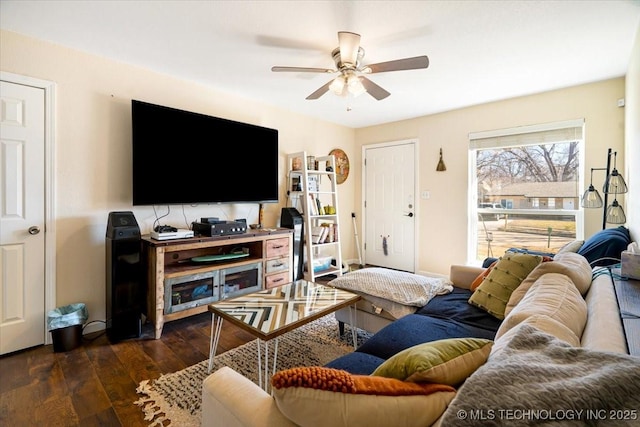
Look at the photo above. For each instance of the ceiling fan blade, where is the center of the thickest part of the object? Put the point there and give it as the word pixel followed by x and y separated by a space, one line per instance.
pixel 302 69
pixel 398 65
pixel 349 45
pixel 374 90
pixel 321 91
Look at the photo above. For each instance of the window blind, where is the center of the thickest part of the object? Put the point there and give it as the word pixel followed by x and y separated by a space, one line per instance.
pixel 546 133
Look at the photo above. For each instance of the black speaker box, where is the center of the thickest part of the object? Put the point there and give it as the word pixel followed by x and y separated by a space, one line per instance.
pixel 291 218
pixel 122 225
pixel 125 287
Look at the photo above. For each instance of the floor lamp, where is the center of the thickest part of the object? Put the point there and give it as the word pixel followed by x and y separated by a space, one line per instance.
pixel 613 184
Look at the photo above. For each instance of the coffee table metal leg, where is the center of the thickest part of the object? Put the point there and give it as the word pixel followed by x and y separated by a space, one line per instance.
pixel 263 368
pixel 216 328
pixel 275 356
pixel 354 332
pixel 259 344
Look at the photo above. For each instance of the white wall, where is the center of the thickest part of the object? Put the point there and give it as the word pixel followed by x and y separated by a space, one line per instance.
pixel 93 153
pixel 442 219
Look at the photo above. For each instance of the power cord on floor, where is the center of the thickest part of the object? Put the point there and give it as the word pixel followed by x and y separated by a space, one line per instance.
pixel 97 336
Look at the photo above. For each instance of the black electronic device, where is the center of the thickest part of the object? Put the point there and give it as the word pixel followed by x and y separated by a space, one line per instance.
pixel 291 218
pixel 210 220
pixel 165 229
pixel 201 137
pixel 220 228
pixel 125 287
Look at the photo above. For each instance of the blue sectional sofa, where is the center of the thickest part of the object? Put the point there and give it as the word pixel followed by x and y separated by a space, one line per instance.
pixel 445 316
pixel 451 316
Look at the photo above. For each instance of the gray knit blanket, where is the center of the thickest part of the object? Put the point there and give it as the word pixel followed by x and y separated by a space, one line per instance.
pixel 539 380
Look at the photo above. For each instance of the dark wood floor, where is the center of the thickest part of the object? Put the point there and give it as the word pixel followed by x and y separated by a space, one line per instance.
pixel 95 384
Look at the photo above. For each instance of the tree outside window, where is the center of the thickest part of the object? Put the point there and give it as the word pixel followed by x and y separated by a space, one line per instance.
pixel 527 195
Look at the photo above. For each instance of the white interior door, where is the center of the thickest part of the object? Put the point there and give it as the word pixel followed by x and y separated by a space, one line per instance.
pixel 22 217
pixel 390 214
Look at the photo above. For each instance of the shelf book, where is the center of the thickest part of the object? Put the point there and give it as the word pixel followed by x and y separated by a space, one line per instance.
pixel 324 233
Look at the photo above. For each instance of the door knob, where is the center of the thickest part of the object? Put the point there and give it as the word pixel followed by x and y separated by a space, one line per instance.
pixel 34 230
pixel 410 214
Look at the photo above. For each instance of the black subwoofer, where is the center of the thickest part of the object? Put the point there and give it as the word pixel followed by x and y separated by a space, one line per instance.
pixel 126 287
pixel 291 218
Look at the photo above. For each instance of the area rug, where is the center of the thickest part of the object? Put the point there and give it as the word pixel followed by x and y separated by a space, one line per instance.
pixel 175 399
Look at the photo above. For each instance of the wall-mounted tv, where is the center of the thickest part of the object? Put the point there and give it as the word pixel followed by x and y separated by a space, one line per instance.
pixel 182 157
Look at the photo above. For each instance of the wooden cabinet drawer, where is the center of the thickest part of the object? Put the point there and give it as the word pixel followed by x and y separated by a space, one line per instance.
pixel 277 247
pixel 276 265
pixel 276 280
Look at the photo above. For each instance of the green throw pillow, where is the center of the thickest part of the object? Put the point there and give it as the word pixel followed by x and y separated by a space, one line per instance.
pixel 448 361
pixel 493 293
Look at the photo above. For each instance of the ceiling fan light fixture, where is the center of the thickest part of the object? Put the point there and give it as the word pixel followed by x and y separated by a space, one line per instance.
pixel 337 85
pixel 349 47
pixel 355 86
pixel 348 63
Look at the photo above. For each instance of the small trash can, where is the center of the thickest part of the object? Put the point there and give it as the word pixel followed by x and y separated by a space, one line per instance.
pixel 65 324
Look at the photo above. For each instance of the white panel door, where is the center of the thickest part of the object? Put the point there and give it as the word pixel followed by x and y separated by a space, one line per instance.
pixel 22 217
pixel 390 206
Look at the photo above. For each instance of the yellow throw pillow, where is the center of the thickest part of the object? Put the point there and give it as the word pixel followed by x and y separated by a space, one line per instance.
pixel 319 397
pixel 448 361
pixel 494 292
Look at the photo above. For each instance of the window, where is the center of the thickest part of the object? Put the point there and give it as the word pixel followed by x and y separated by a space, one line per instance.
pixel 525 187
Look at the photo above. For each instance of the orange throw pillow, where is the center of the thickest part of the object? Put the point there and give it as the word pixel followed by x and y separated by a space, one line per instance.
pixel 340 381
pixel 478 280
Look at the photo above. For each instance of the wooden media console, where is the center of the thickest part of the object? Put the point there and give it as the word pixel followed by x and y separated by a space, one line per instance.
pixel 225 266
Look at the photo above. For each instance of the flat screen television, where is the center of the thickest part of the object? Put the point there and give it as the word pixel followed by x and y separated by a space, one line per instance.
pixel 182 157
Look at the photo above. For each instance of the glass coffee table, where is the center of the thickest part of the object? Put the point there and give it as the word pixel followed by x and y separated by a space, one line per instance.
pixel 269 313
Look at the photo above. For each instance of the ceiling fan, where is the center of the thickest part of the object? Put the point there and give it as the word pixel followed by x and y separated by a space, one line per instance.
pixel 347 57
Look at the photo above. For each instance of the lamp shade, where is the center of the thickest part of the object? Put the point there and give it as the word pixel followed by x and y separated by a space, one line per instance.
pixel 615 184
pixel 615 213
pixel 591 198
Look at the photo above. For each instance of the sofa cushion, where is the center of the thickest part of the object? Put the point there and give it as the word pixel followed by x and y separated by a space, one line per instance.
pixel 543 323
pixel 511 269
pixel 572 265
pixel 553 295
pixel 605 247
pixel 229 399
pixel 455 306
pixel 417 329
pixel 572 246
pixel 317 396
pixel 356 362
pixel 462 275
pixel 449 361
pixel 577 269
pixel 603 330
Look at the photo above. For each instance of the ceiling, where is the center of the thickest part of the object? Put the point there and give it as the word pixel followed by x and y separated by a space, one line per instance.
pixel 479 51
